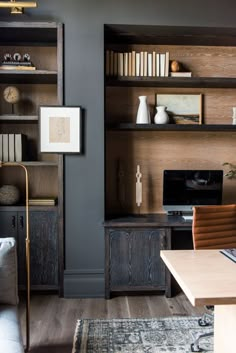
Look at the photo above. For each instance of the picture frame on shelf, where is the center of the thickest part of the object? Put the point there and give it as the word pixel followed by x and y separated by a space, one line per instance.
pixel 60 129
pixel 182 108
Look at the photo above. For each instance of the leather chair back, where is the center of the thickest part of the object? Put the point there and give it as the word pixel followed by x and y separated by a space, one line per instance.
pixel 214 227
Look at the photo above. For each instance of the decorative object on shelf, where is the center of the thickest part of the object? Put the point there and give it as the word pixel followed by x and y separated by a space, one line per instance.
pixel 27 247
pixel 138 186
pixel 234 116
pixel 161 116
pixel 182 108
pixel 175 66
pixel 17 7
pixel 60 129
pixel 143 114
pixel 9 195
pixel 11 95
pixel 17 62
pixel 231 174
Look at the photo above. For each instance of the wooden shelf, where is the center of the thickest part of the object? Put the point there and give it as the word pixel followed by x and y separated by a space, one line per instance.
pixel 34 76
pixel 19 118
pixel 37 163
pixel 199 82
pixel 169 127
pixel 16 208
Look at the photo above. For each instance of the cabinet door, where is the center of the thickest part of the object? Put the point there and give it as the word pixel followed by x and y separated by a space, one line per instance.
pixel 43 248
pixel 135 258
pixel 8 224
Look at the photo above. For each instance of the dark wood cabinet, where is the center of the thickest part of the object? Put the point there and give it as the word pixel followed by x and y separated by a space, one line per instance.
pixel 133 259
pixel 43 245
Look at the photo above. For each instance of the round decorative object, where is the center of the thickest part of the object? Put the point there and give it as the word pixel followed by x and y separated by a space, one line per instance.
pixel 7 57
pixel 26 57
pixel 11 94
pixel 175 66
pixel 161 116
pixel 9 195
pixel 17 56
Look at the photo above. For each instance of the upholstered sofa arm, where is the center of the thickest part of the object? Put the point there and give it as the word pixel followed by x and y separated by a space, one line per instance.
pixel 8 271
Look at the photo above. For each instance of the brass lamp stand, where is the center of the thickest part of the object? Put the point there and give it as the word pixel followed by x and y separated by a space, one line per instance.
pixel 27 246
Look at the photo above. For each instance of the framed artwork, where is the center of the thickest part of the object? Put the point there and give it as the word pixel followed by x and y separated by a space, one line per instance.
pixel 60 129
pixel 182 108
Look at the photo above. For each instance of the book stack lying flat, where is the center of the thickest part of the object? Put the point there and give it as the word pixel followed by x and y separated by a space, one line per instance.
pixel 16 65
pixel 46 201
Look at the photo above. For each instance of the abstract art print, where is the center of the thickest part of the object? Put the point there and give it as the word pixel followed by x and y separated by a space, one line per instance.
pixel 60 129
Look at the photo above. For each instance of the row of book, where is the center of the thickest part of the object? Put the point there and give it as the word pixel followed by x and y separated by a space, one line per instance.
pixel 137 64
pixel 13 147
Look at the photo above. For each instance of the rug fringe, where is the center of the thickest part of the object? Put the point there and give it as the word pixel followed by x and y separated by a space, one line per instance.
pixel 75 335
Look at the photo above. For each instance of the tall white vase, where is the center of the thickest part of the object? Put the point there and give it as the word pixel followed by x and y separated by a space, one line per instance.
pixel 143 114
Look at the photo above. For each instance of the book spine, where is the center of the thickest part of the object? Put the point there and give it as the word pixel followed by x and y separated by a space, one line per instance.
pixel 133 63
pixel 162 64
pixel 137 64
pixel 11 147
pixel 153 63
pixel 167 64
pixel 1 155
pixel 145 63
pixel 126 64
pixel 121 64
pixel 141 63
pixel 157 64
pixel 149 64
pixel 5 148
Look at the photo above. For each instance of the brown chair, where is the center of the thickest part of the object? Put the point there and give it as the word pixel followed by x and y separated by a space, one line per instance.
pixel 213 227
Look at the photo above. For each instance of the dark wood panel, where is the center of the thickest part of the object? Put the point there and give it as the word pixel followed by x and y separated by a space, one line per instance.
pixel 43 245
pixel 134 259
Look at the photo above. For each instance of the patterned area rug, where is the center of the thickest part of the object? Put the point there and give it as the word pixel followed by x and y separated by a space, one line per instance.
pixel 162 335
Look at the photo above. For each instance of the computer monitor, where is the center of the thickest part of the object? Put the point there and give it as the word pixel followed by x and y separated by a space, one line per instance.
pixel 183 189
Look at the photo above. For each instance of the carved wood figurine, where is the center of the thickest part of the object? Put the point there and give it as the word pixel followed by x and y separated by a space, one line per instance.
pixel 138 187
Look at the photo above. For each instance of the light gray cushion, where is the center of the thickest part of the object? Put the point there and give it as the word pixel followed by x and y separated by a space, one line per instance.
pixel 8 271
pixel 10 333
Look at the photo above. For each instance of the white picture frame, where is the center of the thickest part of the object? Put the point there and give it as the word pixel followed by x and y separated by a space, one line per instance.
pixel 183 108
pixel 60 129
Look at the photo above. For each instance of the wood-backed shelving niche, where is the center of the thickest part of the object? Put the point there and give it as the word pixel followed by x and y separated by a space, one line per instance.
pixel 43 41
pixel 135 235
pixel 209 53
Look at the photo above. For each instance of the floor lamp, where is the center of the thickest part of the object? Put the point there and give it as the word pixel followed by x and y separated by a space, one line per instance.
pixel 27 246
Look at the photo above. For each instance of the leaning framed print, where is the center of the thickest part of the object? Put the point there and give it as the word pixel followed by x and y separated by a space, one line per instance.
pixel 182 108
pixel 60 129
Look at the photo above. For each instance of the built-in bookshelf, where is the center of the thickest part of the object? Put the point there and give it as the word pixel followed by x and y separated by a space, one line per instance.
pixel 42 85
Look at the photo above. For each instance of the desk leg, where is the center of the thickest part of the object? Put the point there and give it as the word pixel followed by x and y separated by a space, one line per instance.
pixel 224 328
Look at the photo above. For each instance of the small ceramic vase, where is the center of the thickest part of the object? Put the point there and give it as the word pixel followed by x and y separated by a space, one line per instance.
pixel 143 114
pixel 234 116
pixel 161 116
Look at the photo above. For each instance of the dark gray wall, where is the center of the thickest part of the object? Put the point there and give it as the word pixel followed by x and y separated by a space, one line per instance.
pixel 84 175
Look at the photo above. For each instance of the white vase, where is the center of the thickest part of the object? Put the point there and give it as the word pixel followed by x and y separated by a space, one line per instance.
pixel 234 116
pixel 143 114
pixel 161 116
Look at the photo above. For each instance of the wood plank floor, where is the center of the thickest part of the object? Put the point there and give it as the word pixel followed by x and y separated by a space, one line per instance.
pixel 53 319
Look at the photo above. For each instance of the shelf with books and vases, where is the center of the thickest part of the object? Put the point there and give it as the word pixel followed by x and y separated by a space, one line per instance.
pixel 31 75
pixel 207 55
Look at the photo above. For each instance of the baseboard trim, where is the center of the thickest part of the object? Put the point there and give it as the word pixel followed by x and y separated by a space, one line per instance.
pixel 84 283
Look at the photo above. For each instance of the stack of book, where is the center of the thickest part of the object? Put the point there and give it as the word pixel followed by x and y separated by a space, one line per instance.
pixel 137 64
pixel 46 201
pixel 17 65
pixel 13 147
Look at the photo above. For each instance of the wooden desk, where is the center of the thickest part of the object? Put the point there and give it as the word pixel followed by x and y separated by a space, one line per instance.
pixel 208 277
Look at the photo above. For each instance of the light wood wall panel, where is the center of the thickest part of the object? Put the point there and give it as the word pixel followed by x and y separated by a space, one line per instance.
pixel 154 152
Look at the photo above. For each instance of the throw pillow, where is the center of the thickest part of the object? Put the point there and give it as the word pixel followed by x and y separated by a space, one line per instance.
pixel 8 271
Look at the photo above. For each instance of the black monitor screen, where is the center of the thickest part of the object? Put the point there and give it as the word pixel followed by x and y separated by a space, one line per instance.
pixel 187 188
